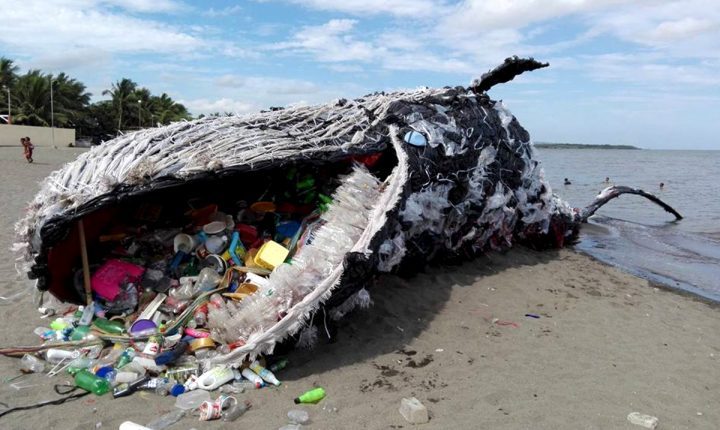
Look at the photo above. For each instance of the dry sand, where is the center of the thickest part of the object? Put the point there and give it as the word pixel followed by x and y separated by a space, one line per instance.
pixel 606 344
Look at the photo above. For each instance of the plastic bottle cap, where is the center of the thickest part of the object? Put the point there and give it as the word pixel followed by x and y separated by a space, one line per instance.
pixel 177 389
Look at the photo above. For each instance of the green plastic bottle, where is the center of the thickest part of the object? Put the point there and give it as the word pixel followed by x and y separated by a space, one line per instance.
pixel 88 381
pixel 108 326
pixel 312 396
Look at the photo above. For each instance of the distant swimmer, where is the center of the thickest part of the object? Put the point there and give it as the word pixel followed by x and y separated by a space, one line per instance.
pixel 662 185
pixel 567 181
pixel 607 180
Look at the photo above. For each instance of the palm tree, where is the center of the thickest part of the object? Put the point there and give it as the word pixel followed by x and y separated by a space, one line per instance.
pixel 31 95
pixel 122 94
pixel 165 110
pixel 7 78
pixel 71 100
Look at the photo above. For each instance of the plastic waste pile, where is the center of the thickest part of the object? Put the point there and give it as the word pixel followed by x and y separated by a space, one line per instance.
pixel 162 297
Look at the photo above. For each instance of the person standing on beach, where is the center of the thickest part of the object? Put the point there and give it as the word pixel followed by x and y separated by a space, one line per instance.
pixel 28 148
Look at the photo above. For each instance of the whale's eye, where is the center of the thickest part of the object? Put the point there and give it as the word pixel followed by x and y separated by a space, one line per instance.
pixel 415 138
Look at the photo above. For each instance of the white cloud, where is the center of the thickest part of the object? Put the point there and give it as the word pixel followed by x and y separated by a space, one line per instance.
pixel 70 26
pixel 645 70
pixel 401 8
pixel 330 42
pixel 227 11
pixel 222 105
pixel 688 28
pixel 268 85
pixel 473 17
pixel 153 6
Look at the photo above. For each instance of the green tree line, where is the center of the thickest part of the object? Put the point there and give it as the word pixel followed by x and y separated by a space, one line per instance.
pixel 130 106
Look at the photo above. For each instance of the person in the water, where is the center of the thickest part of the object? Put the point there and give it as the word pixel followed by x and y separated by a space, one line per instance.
pixel 567 181
pixel 607 179
pixel 662 185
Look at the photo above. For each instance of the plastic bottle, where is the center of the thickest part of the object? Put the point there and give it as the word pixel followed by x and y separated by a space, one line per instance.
pixel 215 377
pixel 160 386
pixel 265 374
pixel 167 420
pixel 129 425
pixel 126 389
pixel 87 314
pixel 55 356
pixel 182 372
pixel 108 326
pixel 279 365
pixel 312 396
pixel 253 377
pixel 192 399
pixel 31 364
pixel 79 364
pixel 235 411
pixel 44 332
pixel 126 357
pixel 91 382
pixel 297 416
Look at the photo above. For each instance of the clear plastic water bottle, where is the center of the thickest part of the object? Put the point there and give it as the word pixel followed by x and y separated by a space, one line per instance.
pixel 167 420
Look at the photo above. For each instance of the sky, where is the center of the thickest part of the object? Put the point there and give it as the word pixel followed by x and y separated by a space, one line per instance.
pixel 638 72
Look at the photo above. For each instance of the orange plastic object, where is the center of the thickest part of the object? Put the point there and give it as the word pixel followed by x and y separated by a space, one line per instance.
pixel 262 207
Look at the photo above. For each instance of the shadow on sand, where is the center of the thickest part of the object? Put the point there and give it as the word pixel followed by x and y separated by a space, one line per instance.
pixel 402 309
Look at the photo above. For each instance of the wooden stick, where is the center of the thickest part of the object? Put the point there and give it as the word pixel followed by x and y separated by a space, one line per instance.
pixel 85 264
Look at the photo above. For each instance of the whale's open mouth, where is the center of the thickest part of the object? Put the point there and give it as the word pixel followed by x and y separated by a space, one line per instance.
pixel 339 215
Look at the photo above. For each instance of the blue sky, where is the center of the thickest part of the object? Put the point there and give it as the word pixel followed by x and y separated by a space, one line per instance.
pixel 642 72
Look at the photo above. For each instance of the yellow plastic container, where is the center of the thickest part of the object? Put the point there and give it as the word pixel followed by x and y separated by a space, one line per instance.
pixel 271 255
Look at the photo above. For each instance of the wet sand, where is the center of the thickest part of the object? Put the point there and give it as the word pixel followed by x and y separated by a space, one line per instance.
pixel 605 344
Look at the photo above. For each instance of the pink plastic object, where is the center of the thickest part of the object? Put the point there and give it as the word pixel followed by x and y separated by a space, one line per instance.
pixel 196 333
pixel 107 279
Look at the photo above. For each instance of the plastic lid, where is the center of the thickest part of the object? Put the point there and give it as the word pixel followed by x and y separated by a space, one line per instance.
pixel 176 390
pixel 103 371
pixel 214 227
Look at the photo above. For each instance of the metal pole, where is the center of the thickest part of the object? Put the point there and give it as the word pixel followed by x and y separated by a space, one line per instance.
pixel 52 113
pixel 139 114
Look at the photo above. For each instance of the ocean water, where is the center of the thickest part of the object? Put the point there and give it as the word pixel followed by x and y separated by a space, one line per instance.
pixel 633 233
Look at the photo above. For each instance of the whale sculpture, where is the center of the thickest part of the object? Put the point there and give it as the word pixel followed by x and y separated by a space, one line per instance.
pixel 455 175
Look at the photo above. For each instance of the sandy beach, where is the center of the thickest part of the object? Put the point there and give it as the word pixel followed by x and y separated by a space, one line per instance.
pixel 605 344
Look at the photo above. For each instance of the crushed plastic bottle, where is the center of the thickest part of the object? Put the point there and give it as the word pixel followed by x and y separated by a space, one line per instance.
pixel 192 399
pixel 298 416
pixel 413 411
pixel 647 421
pixel 235 411
pixel 167 420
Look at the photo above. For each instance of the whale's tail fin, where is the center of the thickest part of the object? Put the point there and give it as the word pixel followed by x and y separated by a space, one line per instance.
pixel 506 72
pixel 610 193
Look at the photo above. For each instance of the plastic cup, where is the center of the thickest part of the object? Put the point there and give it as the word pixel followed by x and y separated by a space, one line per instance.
pixel 184 242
